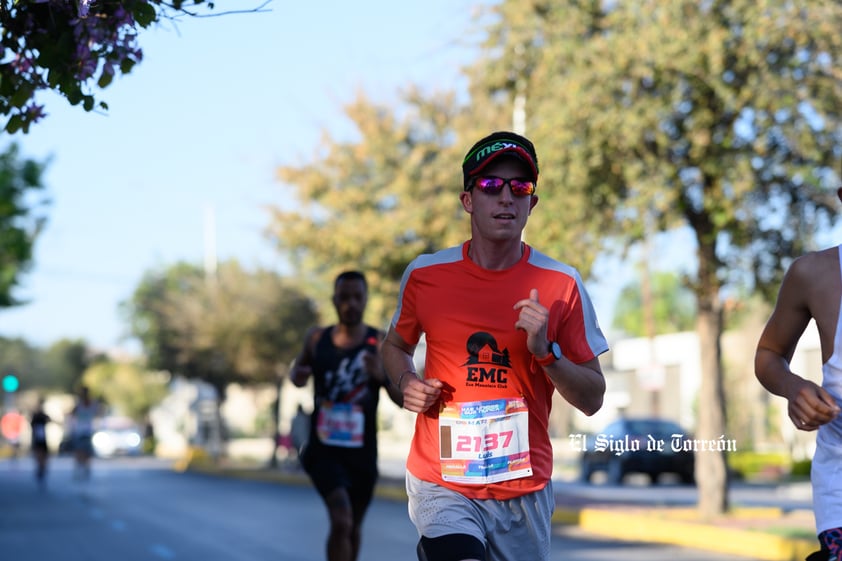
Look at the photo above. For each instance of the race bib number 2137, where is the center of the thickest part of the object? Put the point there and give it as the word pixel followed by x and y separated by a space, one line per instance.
pixel 484 441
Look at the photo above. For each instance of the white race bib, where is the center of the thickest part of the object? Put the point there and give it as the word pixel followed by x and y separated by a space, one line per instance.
pixel 341 424
pixel 485 441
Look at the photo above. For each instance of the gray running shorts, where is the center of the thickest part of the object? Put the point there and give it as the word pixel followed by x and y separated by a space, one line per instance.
pixel 512 530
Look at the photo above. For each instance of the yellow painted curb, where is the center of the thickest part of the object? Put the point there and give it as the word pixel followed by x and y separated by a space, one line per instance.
pixel 183 464
pixel 640 526
pixel 392 492
pixel 566 516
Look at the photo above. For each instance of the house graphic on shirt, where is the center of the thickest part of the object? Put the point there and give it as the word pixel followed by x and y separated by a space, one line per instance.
pixel 485 354
pixel 482 349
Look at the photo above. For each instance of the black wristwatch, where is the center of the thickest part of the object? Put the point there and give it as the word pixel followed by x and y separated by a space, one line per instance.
pixel 553 354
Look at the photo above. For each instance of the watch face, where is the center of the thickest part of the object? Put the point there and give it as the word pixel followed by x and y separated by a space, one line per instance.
pixel 555 349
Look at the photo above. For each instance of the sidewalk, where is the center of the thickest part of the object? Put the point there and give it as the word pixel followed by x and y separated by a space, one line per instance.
pixel 756 532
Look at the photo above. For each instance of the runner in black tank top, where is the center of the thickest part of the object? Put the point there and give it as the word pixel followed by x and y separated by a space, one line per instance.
pixel 341 452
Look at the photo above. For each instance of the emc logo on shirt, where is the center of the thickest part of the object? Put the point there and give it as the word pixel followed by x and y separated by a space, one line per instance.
pixel 487 364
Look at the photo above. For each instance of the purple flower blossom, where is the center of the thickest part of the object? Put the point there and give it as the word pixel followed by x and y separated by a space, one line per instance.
pixel 83 7
pixel 35 112
pixel 22 62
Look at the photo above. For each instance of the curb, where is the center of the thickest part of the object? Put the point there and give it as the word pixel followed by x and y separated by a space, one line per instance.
pixel 634 525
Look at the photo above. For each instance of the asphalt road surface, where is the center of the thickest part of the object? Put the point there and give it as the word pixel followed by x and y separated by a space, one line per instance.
pixel 140 510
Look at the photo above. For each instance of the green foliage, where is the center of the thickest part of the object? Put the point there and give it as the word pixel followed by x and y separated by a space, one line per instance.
pixel 727 115
pixel 128 389
pixel 801 468
pixel 717 116
pixel 753 465
pixel 672 307
pixel 21 219
pixel 58 367
pixel 66 361
pixel 19 358
pixel 229 327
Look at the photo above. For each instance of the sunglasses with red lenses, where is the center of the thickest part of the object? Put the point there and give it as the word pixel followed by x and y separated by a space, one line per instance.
pixel 492 185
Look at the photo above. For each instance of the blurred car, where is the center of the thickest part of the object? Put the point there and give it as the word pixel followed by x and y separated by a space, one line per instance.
pixel 650 446
pixel 117 436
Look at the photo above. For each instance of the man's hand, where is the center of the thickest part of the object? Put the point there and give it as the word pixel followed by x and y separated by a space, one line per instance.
pixel 419 395
pixel 299 374
pixel 810 406
pixel 533 319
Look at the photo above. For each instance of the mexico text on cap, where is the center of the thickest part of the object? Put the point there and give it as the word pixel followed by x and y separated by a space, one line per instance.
pixel 497 144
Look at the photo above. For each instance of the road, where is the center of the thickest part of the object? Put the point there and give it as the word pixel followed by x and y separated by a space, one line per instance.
pixel 140 510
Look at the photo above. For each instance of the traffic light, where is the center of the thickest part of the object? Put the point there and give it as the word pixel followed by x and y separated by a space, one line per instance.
pixel 10 383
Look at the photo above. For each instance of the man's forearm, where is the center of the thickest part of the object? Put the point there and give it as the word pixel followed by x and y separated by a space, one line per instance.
pixel 773 372
pixel 397 360
pixel 579 384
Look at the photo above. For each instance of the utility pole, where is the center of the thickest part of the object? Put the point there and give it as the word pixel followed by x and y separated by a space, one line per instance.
pixel 214 436
pixel 653 371
pixel 519 108
pixel 210 243
pixel 519 105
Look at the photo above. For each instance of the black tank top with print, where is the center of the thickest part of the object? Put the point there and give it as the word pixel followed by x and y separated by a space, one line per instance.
pixel 339 377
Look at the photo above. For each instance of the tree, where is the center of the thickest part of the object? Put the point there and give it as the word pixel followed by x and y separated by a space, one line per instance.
pixel 72 47
pixel 373 204
pixel 66 361
pixel 718 116
pixel 59 367
pixel 21 219
pixel 19 358
pixel 232 327
pixel 127 388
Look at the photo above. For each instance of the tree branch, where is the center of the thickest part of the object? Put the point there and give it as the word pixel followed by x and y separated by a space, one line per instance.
pixel 258 9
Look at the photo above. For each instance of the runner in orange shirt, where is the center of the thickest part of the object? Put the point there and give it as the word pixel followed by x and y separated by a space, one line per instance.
pixel 506 326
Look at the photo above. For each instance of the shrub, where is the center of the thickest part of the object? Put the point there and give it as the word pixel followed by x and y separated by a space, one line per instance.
pixel 751 465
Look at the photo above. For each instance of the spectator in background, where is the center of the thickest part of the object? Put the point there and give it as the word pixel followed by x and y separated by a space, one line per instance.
pixel 82 419
pixel 40 449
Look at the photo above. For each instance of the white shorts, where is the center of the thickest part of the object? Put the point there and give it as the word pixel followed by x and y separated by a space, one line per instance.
pixel 512 530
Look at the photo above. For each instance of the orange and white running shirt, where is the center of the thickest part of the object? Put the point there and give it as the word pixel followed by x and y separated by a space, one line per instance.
pixel 489 436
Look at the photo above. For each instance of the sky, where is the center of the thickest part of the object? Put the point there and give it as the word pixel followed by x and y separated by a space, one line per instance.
pixel 196 130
